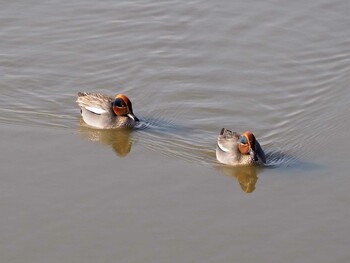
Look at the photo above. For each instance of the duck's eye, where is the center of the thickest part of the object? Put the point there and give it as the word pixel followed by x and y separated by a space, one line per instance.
pixel 243 140
pixel 119 103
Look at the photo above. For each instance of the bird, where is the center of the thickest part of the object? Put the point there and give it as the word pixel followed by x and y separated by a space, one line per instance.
pixel 237 149
pixel 106 112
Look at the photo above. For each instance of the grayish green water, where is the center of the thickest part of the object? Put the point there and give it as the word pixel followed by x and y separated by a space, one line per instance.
pixel 72 194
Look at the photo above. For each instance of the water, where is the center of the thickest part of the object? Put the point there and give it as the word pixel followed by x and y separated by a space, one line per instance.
pixel 156 194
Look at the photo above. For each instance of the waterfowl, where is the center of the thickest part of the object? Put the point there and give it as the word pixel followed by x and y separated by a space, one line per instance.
pixel 106 112
pixel 238 149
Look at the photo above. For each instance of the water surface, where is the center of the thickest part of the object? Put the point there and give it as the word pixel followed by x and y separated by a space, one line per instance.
pixel 73 194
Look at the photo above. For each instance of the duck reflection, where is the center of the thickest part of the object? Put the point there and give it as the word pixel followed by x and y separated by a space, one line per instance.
pixel 119 139
pixel 246 176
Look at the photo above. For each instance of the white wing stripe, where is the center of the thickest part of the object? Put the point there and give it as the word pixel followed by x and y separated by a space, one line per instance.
pixel 223 148
pixel 96 110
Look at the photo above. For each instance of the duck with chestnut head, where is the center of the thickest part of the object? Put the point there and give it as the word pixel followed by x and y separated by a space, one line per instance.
pixel 106 112
pixel 239 149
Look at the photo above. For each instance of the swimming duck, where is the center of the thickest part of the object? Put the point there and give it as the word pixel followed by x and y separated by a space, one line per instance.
pixel 238 149
pixel 106 112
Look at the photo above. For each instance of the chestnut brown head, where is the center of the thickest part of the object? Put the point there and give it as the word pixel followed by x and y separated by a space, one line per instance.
pixel 122 107
pixel 246 142
pixel 249 145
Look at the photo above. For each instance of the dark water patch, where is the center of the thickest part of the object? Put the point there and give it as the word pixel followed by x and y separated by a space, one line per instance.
pixel 291 161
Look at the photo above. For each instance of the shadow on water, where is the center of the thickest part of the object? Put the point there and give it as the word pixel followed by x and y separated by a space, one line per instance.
pixel 184 143
pixel 247 176
pixel 120 140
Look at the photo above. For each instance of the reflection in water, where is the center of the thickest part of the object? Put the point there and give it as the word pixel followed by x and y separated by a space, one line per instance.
pixel 120 140
pixel 246 176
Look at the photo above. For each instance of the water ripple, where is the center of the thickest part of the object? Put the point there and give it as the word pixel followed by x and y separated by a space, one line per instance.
pixel 189 69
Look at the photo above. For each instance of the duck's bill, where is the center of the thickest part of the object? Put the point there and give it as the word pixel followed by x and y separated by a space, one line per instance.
pixel 132 116
pixel 254 155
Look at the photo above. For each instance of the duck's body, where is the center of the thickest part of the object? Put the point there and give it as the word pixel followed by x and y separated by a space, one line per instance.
pixel 106 112
pixel 238 149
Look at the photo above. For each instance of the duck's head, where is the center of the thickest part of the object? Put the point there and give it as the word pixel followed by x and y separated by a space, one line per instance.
pixel 247 144
pixel 122 107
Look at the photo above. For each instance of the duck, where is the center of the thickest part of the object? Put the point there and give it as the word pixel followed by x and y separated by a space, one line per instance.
pixel 237 149
pixel 106 112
